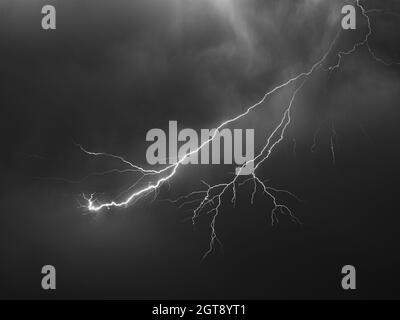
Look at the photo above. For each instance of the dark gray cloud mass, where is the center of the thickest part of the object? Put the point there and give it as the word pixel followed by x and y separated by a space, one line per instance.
pixel 115 69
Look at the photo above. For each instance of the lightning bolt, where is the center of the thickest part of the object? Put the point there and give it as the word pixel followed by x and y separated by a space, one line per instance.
pixel 209 200
pixel 333 139
pixel 172 169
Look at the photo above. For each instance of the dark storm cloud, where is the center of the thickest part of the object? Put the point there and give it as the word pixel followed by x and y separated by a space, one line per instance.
pixel 107 62
pixel 115 69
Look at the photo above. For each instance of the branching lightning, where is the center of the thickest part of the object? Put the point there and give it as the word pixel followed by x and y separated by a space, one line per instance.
pixel 210 199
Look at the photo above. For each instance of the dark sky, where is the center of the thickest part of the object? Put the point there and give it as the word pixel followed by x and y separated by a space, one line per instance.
pixel 112 70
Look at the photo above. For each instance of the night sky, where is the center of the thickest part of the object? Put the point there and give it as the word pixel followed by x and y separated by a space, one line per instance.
pixel 112 70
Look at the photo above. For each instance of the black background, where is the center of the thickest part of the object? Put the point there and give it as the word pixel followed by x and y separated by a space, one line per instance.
pixel 114 70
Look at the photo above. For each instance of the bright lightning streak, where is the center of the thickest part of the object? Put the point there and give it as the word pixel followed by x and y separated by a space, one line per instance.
pixel 211 198
pixel 333 139
pixel 174 167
